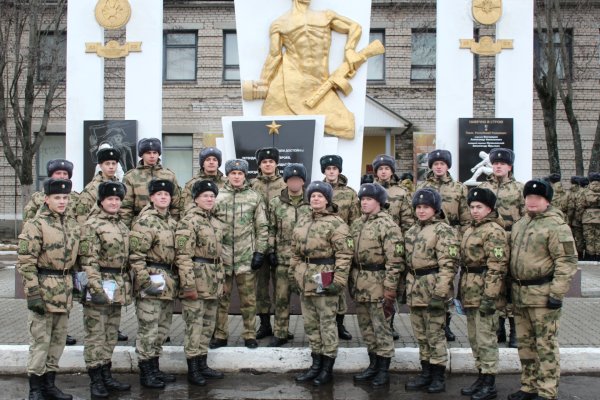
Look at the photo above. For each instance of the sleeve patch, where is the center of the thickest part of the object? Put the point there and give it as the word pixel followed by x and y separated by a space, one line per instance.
pixel 134 243
pixel 569 248
pixel 399 250
pixel 498 252
pixel 23 247
pixel 350 243
pixel 453 251
pixel 84 247
pixel 181 241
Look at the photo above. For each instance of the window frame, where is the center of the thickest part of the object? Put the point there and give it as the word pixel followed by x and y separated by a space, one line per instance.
pixel 422 66
pixel 539 51
pixel 166 46
pixel 383 41
pixel 229 67
pixel 48 68
pixel 40 178
pixel 167 148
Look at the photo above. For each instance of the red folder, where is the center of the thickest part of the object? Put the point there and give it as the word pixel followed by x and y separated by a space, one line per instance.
pixel 327 278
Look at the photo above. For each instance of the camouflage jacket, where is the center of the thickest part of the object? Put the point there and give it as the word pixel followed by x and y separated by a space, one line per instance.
pixel 346 199
pixel 509 194
pixel 430 244
pixel 186 195
pixel 560 200
pixel 542 246
pixel 89 195
pixel 50 241
pixel 137 197
pixel 572 204
pixel 268 186
pixel 105 244
pixel 400 207
pixel 588 205
pixel 378 244
pixel 37 201
pixel 199 234
pixel 283 216
pixel 484 244
pixel 454 199
pixel 152 242
pixel 320 235
pixel 242 210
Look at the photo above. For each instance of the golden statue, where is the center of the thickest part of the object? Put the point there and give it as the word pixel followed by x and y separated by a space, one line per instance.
pixel 297 81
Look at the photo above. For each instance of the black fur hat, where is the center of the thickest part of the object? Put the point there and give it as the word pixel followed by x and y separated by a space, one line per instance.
pixel 149 144
pixel 384 159
pixel 553 178
pixel 110 188
pixel 429 197
pixel 204 186
pixel 594 176
pixel 59 164
pixel 107 155
pixel 294 170
pixel 322 187
pixel 439 155
pixel 539 187
pixel 375 191
pixel 210 151
pixel 575 180
pixel 485 196
pixel 267 153
pixel 57 186
pixel 584 181
pixel 331 160
pixel 500 154
pixel 156 185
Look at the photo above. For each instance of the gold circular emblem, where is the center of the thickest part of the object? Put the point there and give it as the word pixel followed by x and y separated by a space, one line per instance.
pixel 113 14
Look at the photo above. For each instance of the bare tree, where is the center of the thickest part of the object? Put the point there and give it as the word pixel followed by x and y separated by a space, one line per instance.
pixel 31 77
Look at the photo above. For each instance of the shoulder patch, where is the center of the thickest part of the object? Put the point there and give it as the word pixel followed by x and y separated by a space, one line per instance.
pixel 84 247
pixel 498 252
pixel 181 241
pixel 350 243
pixel 134 243
pixel 453 250
pixel 399 250
pixel 23 246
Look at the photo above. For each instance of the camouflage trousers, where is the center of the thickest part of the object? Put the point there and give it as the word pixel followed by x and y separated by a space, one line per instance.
pixel 47 336
pixel 199 316
pixel 591 234
pixel 154 323
pixel 483 340
pixel 579 238
pixel 320 326
pixel 375 328
pixel 537 334
pixel 342 304
pixel 247 291
pixel 429 332
pixel 282 302
pixel 100 324
pixel 264 277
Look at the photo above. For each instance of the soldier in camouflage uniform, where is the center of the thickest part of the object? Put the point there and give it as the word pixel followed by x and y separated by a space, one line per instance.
pixel 485 254
pixel 284 212
pixel 268 184
pixel 377 266
pixel 588 216
pixel 242 210
pixel 348 209
pixel 108 160
pixel 432 251
pixel 407 180
pixel 104 257
pixel 199 237
pixel 511 207
pixel 543 262
pixel 210 159
pixel 322 251
pixel 575 225
pixel 152 260
pixel 48 246
pixel 136 181
pixel 560 200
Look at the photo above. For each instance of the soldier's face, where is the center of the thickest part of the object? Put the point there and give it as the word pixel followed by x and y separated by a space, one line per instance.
pixel 57 202
pixel 267 167
pixel 439 168
pixel 205 200
pixel 111 204
pixel 332 173
pixel 161 200
pixel 369 205
pixel 501 169
pixel 109 168
pixel 211 164
pixel 318 202
pixel 536 204
pixel 60 174
pixel 150 157
pixel 295 184
pixel 384 173
pixel 424 212
pixel 236 178
pixel 479 210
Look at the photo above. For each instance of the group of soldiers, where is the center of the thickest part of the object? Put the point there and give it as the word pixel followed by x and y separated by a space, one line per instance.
pixel 148 240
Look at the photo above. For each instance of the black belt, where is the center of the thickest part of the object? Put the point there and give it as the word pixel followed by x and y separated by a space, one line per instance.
pixel 206 260
pixel 54 272
pixel 319 261
pixel 424 271
pixel 371 267
pixel 475 270
pixel 533 282
pixel 109 270
pixel 166 267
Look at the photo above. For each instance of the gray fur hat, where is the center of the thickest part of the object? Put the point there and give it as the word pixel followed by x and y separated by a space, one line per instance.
pixel 149 144
pixel 59 164
pixel 236 165
pixel 384 159
pixel 57 186
pixel 373 190
pixel 439 155
pixel 210 151
pixel 294 170
pixel 429 197
pixel 500 154
pixel 322 187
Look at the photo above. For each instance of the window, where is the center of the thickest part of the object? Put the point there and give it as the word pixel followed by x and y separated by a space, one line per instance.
pixel 541 59
pixel 52 147
pixel 181 56
pixel 423 55
pixel 231 60
pixel 376 65
pixel 177 155
pixel 53 51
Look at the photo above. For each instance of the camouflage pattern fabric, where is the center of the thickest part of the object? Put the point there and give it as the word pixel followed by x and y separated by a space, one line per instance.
pixel 346 199
pixel 89 196
pixel 246 285
pixel 375 328
pixel 47 336
pixel 560 199
pixel 510 203
pixel 186 195
pixel 282 302
pixel 481 331
pixel 320 326
pixel 199 317
pixel 429 333
pixel 399 200
pixel 154 323
pixel 37 201
pixel 588 217
pixel 100 324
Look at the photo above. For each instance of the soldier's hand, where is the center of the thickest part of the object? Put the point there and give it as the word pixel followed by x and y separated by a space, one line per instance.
pixel 99 298
pixel 389 295
pixel 36 304
pixel 487 306
pixel 153 289
pixel 367 178
pixel 273 262
pixel 388 308
pixel 190 294
pixel 553 304
pixel 257 260
pixel 436 307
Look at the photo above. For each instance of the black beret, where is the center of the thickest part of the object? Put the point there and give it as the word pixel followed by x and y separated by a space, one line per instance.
pixel 236 165
pixel 149 144
pixel 594 176
pixel 500 154
pixel 373 190
pixel 331 160
pixel 322 187
pixel 485 196
pixel 204 186
pixel 439 155
pixel 267 153
pixel 59 164
pixel 553 178
pixel 429 197
pixel 110 188
pixel 157 185
pixel 539 187
pixel 384 159
pixel 210 151
pixel 294 170
pixel 57 186
pixel 107 155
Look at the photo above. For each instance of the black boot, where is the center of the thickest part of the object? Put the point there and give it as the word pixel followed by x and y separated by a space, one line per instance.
pixel 370 372
pixel 166 378
pixel 383 375
pixel 71 341
pixel 501 332
pixel 488 389
pixel 326 373
pixel 342 332
pixel 36 383
pixel 265 328
pixel 422 380
pixel 194 375
pixel 110 383
pixel 147 377
pixel 215 343
pixel 438 381
pixel 97 388
pixel 121 337
pixel 521 395
pixel 468 391
pixel 50 390
pixel 512 340
pixel 447 331
pixel 277 342
pixel 395 335
pixel 206 371
pixel 313 371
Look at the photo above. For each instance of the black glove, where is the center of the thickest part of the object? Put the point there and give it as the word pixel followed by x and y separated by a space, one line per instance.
pixel 272 257
pixel 99 298
pixel 36 304
pixel 436 307
pixel 257 260
pixel 553 303
pixel 487 306
pixel 367 178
